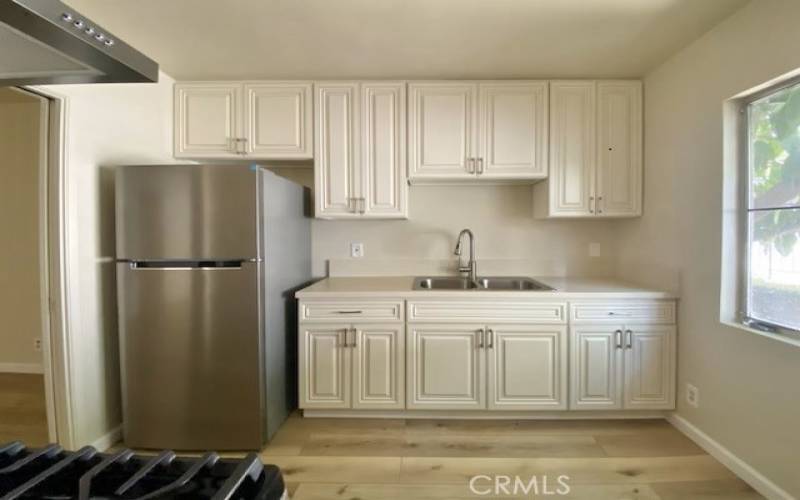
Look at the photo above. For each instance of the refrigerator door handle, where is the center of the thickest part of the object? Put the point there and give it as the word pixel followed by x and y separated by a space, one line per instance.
pixel 187 264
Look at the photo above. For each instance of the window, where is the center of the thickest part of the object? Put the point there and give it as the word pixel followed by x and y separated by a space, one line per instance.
pixel 771 211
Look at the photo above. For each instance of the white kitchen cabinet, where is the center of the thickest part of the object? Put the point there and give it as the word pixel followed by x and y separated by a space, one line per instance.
pixel 629 367
pixel 466 131
pixel 325 377
pixel 513 130
pixel 359 366
pixel 649 367
pixel 278 120
pixel 442 130
pixel 208 120
pixel 596 377
pixel 235 120
pixel 527 367
pixel 445 367
pixel 595 150
pixel 379 367
pixel 360 162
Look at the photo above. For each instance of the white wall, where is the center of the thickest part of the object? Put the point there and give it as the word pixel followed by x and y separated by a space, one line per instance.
pixel 501 218
pixel 20 299
pixel 107 125
pixel 749 392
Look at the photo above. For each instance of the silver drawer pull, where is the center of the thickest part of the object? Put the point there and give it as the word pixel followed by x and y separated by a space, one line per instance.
pixel 349 312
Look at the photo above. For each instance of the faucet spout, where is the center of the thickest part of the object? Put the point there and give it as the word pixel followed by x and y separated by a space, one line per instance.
pixel 472 266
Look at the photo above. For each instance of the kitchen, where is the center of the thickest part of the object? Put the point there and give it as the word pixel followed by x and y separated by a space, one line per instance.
pixel 599 168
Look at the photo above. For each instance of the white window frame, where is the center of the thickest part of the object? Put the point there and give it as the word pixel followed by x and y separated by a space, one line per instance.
pixel 744 210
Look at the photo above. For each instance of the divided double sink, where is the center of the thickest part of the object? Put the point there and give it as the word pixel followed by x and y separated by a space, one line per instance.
pixel 496 283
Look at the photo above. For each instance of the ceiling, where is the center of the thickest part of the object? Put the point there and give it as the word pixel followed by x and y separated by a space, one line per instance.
pixel 315 39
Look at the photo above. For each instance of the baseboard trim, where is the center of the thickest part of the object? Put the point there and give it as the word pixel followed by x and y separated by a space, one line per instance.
pixel 485 414
pixel 108 440
pixel 35 368
pixel 739 467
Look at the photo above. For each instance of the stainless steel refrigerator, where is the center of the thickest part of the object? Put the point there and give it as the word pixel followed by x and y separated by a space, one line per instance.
pixel 208 259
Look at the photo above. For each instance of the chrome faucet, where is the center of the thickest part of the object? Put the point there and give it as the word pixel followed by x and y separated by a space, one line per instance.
pixel 472 266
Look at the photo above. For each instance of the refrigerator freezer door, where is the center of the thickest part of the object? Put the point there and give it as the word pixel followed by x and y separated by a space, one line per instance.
pixel 186 211
pixel 190 357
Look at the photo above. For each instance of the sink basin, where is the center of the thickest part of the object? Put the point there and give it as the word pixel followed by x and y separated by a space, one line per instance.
pixel 444 284
pixel 495 283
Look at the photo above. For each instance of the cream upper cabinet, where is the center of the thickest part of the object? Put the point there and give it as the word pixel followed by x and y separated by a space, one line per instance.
pixel 233 120
pixel 208 120
pixel 595 150
pixel 471 131
pixel 324 366
pixel 360 162
pixel 445 367
pixel 379 367
pixel 649 367
pixel 596 378
pixel 278 120
pixel 513 127
pixel 336 176
pixel 527 367
pixel 619 148
pixel 442 130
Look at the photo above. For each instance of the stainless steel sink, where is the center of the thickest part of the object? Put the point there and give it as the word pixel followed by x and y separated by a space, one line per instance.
pixel 493 283
pixel 444 283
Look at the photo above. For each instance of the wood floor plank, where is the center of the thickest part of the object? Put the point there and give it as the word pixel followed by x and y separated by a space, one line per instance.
pixel 728 489
pixel 344 469
pixel 667 443
pixel 23 414
pixel 326 491
pixel 525 427
pixel 580 470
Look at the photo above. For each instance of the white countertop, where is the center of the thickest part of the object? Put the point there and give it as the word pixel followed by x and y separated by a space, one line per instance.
pixel 402 287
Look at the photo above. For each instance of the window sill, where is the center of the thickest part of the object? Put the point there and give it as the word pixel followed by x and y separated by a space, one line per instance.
pixel 780 337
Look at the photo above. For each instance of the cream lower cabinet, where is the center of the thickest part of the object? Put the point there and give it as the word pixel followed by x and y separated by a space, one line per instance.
pixel 623 366
pixel 477 367
pixel 346 366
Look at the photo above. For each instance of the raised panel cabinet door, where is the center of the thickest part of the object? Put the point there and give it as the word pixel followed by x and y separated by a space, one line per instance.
pixel 444 368
pixel 442 130
pixel 383 150
pixel 527 367
pixel 513 130
pixel 278 120
pixel 324 367
pixel 208 120
pixel 572 149
pixel 619 148
pixel 596 374
pixel 336 150
pixel 379 367
pixel 649 367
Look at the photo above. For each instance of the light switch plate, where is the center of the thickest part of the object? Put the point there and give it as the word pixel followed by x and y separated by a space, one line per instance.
pixel 356 250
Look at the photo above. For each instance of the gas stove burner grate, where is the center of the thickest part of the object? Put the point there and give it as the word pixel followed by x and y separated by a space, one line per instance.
pixel 51 473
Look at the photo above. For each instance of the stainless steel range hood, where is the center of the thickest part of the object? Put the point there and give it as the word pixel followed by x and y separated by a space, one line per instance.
pixel 47 42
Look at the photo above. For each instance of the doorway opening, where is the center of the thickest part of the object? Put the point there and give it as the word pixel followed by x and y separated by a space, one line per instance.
pixel 27 401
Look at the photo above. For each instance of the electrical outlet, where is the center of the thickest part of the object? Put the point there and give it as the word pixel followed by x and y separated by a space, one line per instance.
pixel 692 395
pixel 594 250
pixel 356 250
pixel 37 344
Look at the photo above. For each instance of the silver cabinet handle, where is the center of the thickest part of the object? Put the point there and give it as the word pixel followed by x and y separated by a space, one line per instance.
pixel 618 339
pixel 490 336
pixel 355 337
pixel 480 334
pixel 471 165
pixel 351 205
pixel 591 204
pixel 342 333
pixel 628 339
pixel 363 205
pixel 349 312
pixel 480 166
pixel 599 204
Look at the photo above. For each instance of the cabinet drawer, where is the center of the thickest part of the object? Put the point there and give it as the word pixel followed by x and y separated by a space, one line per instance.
pixel 352 311
pixel 487 311
pixel 623 311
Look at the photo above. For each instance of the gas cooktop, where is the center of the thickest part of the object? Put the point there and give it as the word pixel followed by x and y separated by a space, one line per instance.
pixel 53 473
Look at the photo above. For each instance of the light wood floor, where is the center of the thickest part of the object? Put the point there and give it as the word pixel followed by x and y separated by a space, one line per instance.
pixel 434 459
pixel 23 415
